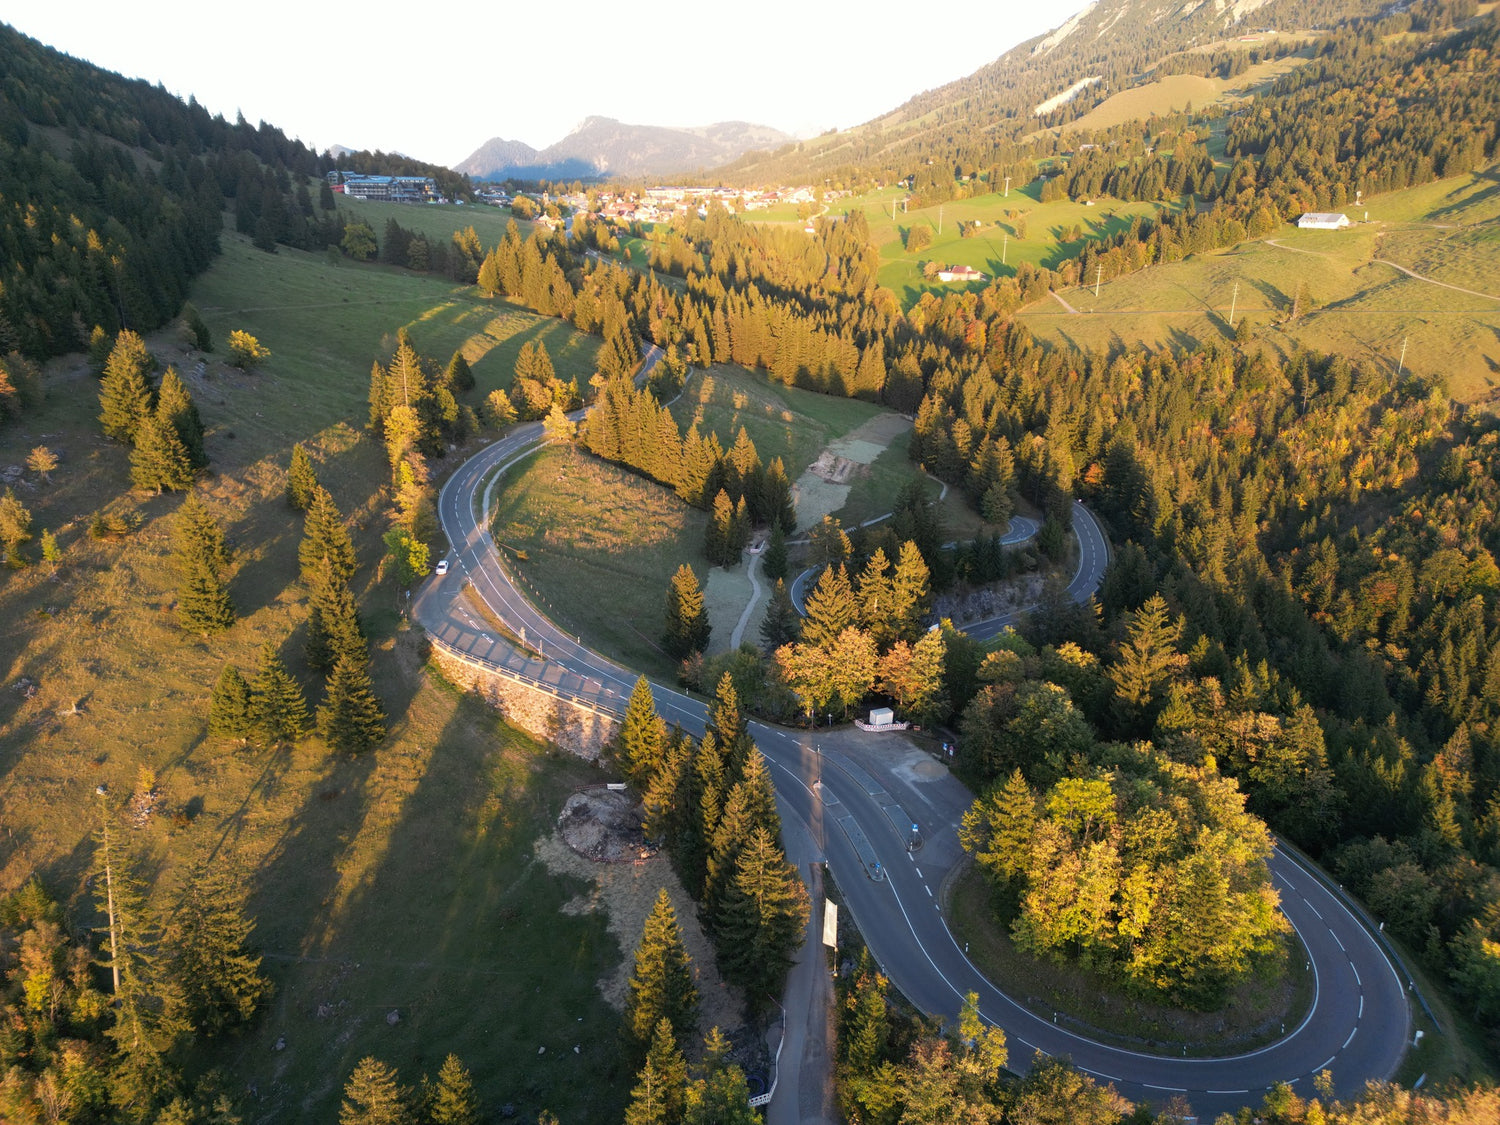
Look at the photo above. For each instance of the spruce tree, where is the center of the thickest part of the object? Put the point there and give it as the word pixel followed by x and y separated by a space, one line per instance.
pixel 639 745
pixel 333 629
pixel 660 1088
pixel 159 462
pixel 718 535
pixel 374 1096
pixel 220 977
pixel 351 719
pixel 203 603
pixel 125 392
pixel 192 320
pixel 773 563
pixel 452 1100
pixel 761 921
pixel 730 727
pixel 661 987
pixel 781 625
pixel 301 480
pixel 175 404
pixel 830 608
pixel 459 376
pixel 278 711
pixel 688 627
pixel 229 713
pixel 325 536
pixel 876 598
pixel 911 586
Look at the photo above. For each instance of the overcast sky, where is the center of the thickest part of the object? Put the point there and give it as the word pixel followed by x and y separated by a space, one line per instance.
pixel 436 80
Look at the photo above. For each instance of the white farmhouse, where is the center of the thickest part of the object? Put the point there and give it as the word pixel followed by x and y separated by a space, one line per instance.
pixel 1323 220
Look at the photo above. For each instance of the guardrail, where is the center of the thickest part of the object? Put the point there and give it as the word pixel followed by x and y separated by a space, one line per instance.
pixel 765 1099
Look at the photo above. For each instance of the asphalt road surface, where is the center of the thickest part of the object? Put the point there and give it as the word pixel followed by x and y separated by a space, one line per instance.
pixel 859 808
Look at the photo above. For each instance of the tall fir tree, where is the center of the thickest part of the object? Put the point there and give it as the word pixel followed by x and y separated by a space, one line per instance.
pixel 333 629
pixel 657 1098
pixel 452 1100
pixel 718 533
pixel 278 711
pixel 781 625
pixel 661 987
pixel 374 1096
pixel 773 563
pixel 159 462
pixel 351 719
pixel 831 608
pixel 229 713
pixel 207 937
pixel 125 394
pixel 301 480
pixel 325 536
pixel 760 924
pixel 199 550
pixel 459 376
pixel 175 404
pixel 688 627
pixel 641 740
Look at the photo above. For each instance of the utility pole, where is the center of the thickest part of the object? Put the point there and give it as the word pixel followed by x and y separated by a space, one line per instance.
pixel 109 886
pixel 1007 187
pixel 1004 247
pixel 1401 363
pixel 940 218
pixel 1098 276
pixel 1232 299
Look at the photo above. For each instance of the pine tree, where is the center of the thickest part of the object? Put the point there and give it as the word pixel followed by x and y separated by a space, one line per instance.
pixel 731 728
pixel 661 987
pixel 688 627
pixel 374 1096
pixel 718 532
pixel 760 924
pixel 229 714
pixel 278 711
pixel 159 461
pixel 641 741
pixel 773 563
pixel 175 404
pixel 876 598
pixel 301 480
pixel 219 976
pixel 777 503
pixel 15 524
pixel 660 1088
pixel 125 392
pixel 351 719
pixel 911 587
pixel 325 536
pixel 781 625
pixel 203 603
pixel 193 321
pixel 831 608
pixel 452 1100
pixel 459 376
pixel 333 629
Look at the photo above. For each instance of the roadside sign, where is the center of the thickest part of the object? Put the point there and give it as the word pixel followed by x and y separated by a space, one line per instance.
pixel 831 925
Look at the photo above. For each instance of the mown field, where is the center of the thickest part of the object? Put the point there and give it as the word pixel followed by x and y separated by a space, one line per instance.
pixel 399 882
pixel 1363 307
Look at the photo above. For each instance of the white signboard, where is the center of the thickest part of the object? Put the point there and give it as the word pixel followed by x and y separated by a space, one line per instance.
pixel 831 925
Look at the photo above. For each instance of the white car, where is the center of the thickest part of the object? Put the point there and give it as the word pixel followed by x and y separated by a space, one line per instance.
pixel 442 567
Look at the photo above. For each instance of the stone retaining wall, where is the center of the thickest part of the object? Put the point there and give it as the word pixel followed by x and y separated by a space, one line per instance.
pixel 570 726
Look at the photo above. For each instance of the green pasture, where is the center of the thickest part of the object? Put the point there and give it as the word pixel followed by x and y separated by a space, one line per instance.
pixel 1362 306
pixel 437 221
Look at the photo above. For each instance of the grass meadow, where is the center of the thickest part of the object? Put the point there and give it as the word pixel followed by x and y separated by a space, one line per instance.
pixel 1363 306
pixel 399 882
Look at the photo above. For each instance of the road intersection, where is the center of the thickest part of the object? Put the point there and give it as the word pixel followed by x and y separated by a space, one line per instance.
pixel 860 806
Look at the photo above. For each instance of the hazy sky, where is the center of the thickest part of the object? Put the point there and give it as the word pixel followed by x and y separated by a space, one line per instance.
pixel 437 79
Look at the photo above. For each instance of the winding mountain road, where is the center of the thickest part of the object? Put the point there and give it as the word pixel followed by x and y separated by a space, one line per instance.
pixel 860 809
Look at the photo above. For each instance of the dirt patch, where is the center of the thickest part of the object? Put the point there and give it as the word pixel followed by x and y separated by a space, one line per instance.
pixel 604 825
pixel 824 485
pixel 831 467
pixel 626 893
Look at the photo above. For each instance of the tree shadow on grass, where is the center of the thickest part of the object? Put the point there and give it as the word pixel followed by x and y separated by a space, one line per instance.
pixel 413 920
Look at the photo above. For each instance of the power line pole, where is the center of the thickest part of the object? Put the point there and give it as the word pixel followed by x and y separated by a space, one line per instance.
pixel 1004 247
pixel 940 218
pixel 1232 299
pixel 1098 276
pixel 1401 363
pixel 1007 187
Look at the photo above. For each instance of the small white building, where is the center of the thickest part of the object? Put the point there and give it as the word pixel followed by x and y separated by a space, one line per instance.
pixel 960 273
pixel 882 716
pixel 1323 220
